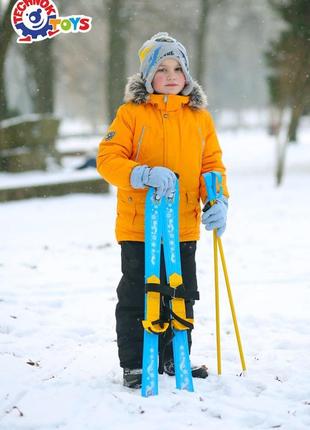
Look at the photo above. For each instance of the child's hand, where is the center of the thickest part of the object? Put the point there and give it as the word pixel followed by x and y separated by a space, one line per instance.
pixel 161 178
pixel 216 216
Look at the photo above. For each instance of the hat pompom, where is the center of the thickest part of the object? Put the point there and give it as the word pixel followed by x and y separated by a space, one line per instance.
pixel 163 36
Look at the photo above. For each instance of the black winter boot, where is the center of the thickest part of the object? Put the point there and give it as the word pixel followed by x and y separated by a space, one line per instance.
pixel 132 378
pixel 197 371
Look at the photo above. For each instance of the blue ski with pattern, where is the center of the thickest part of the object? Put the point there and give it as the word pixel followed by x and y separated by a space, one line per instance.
pixel 162 222
pixel 153 233
pixel 170 223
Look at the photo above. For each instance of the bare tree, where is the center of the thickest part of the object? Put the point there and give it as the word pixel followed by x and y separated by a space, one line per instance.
pixel 40 75
pixel 289 61
pixel 201 38
pixel 118 13
pixel 6 32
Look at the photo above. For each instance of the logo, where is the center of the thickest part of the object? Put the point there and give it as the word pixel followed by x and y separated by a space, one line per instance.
pixel 36 20
pixel 109 135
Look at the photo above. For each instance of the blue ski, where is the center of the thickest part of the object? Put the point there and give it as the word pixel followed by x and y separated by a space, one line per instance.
pixel 153 233
pixel 162 223
pixel 182 365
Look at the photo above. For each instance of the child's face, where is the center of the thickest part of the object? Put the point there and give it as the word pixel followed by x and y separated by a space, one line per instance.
pixel 169 77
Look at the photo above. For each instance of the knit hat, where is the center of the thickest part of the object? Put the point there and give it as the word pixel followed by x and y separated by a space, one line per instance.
pixel 154 51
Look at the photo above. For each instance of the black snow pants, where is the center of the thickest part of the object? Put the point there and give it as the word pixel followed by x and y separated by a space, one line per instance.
pixel 130 307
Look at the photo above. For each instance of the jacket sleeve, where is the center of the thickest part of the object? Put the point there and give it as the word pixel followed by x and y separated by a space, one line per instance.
pixel 113 159
pixel 212 158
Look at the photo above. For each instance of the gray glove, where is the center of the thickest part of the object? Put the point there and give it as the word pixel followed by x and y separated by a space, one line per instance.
pixel 161 178
pixel 216 216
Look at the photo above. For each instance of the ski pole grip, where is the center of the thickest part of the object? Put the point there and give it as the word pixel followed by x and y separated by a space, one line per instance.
pixel 213 181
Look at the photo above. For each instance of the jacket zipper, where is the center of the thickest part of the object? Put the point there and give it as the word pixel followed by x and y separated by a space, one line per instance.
pixel 164 127
pixel 140 142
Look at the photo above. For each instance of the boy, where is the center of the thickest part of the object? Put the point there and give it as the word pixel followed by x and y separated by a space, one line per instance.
pixel 162 128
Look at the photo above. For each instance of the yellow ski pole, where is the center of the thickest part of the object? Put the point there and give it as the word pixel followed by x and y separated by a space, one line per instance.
pixel 231 302
pixel 217 305
pixel 211 180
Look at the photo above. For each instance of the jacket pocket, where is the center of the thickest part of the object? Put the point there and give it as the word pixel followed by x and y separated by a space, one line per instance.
pixel 125 212
pixel 190 210
pixel 130 211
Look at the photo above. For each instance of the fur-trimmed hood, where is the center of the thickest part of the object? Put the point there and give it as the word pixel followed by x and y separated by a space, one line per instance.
pixel 136 92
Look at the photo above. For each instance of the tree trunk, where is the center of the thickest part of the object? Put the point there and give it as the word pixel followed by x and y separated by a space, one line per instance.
pixel 3 99
pixel 200 66
pixel 6 32
pixel 293 125
pixel 299 104
pixel 40 71
pixel 280 147
pixel 283 141
pixel 117 54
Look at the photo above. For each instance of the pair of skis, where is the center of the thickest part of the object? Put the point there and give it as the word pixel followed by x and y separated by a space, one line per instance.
pixel 162 226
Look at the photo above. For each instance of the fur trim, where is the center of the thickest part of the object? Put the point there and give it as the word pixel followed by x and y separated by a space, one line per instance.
pixel 197 98
pixel 136 92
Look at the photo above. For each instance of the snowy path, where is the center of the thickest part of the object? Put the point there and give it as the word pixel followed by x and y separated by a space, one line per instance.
pixel 59 266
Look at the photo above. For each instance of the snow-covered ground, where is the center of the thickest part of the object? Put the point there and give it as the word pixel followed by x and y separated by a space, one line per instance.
pixel 60 265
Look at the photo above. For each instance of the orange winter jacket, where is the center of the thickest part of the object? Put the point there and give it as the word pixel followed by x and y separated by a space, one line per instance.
pixel 160 130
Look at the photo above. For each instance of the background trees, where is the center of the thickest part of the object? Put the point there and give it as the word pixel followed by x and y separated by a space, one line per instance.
pixel 83 76
pixel 6 32
pixel 289 60
pixel 225 40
